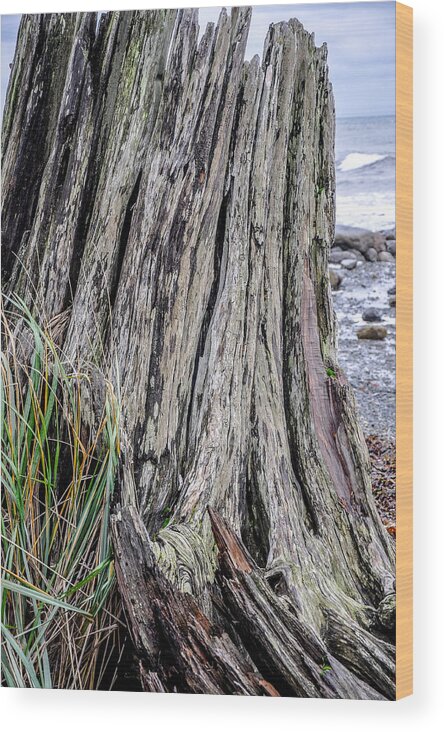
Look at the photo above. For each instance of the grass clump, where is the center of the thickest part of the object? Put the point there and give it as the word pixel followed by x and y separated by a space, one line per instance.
pixel 59 452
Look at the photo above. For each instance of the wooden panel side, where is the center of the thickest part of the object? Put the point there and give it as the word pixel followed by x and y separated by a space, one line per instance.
pixel 404 351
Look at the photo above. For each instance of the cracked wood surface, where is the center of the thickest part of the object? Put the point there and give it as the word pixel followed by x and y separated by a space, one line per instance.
pixel 172 205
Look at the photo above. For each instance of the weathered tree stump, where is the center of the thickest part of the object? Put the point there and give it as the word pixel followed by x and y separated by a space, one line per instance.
pixel 177 203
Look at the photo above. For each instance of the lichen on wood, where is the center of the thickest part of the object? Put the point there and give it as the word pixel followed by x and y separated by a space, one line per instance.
pixel 178 206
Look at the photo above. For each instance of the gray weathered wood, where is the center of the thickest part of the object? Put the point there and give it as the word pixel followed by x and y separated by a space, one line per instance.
pixel 180 649
pixel 175 227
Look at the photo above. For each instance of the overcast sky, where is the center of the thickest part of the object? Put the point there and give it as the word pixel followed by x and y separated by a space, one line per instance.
pixel 360 38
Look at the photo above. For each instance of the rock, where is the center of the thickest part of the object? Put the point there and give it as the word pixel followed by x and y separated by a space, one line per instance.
pixel 389 234
pixel 372 332
pixel 360 257
pixel 392 290
pixel 392 301
pixel 371 315
pixel 385 257
pixel 349 263
pixel 391 247
pixel 352 237
pixel 337 256
pixel 371 254
pixel 335 279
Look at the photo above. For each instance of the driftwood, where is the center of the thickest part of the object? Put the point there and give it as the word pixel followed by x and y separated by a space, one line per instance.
pixel 180 649
pixel 173 206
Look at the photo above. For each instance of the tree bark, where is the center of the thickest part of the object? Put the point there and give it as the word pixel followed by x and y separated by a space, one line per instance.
pixel 178 218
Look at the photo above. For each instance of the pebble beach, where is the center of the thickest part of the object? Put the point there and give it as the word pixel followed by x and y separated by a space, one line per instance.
pixel 364 298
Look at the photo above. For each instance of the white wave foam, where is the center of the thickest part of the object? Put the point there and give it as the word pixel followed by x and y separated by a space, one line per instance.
pixel 374 211
pixel 359 160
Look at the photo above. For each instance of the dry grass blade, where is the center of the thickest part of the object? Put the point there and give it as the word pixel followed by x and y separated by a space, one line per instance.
pixel 58 457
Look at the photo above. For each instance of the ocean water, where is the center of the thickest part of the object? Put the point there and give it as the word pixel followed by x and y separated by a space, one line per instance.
pixel 365 172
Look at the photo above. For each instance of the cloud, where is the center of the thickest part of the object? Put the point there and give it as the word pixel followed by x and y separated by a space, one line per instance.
pixel 361 48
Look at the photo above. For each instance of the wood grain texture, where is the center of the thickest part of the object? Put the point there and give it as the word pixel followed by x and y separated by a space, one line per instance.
pixel 404 352
pixel 196 278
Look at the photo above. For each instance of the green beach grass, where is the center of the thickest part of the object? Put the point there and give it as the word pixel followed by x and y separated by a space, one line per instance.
pixel 59 613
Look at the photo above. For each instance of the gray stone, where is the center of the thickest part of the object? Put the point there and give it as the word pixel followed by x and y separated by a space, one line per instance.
pixel 391 247
pixel 385 257
pixel 392 290
pixel 371 254
pixel 392 301
pixel 359 256
pixel 371 315
pixel 338 256
pixel 389 234
pixel 335 279
pixel 372 332
pixel 349 263
pixel 352 237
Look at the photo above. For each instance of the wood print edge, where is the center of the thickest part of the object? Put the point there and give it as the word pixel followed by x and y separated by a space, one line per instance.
pixel 404 351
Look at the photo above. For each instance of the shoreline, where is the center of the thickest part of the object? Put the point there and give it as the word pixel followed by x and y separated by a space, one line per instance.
pixel 370 364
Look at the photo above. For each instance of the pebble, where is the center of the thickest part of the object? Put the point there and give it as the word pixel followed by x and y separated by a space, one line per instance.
pixel 350 237
pixel 338 256
pixel 382 451
pixel 372 332
pixel 335 279
pixel 371 315
pixel 369 365
pixel 385 257
pixel 391 247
